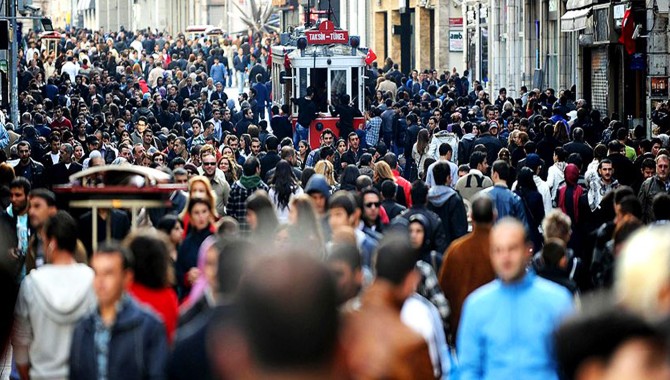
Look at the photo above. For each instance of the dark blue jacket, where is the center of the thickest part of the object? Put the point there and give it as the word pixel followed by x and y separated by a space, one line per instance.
pixel 138 347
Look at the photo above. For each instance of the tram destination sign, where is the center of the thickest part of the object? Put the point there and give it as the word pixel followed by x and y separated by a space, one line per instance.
pixel 327 34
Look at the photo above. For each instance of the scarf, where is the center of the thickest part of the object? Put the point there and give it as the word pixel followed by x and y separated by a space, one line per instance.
pixel 250 182
pixel 571 178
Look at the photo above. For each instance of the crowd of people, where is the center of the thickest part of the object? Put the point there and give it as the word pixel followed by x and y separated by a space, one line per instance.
pixel 452 234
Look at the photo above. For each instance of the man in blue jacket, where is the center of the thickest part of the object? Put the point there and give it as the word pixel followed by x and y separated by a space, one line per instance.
pixel 119 340
pixel 506 325
pixel 506 202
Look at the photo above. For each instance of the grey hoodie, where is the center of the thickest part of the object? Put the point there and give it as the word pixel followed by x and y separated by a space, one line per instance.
pixel 51 300
pixel 439 195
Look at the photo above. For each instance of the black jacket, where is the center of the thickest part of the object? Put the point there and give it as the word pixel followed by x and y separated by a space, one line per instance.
pixel 60 174
pixel 269 161
pixel 492 144
pixel 346 114
pixel 281 127
pixel 448 205
pixel 138 347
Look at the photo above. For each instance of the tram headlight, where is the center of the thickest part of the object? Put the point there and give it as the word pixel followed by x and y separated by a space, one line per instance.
pixel 302 43
pixel 354 41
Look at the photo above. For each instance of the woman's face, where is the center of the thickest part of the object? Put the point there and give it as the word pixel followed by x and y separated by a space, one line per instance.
pixel 200 216
pixel 198 190
pixel 78 152
pixel 177 233
pixel 342 147
pixel 243 144
pixel 224 165
pixel 228 152
pixel 302 147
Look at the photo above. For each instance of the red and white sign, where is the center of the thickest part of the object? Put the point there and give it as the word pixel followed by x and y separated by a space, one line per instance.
pixel 327 34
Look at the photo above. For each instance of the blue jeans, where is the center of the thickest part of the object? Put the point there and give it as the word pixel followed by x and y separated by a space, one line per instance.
pixel 300 133
pixel 241 77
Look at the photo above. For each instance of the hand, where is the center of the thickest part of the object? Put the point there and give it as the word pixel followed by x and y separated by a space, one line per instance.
pixel 193 275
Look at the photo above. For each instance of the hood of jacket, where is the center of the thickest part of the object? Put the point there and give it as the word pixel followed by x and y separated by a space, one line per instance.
pixel 65 290
pixel 439 195
pixel 317 183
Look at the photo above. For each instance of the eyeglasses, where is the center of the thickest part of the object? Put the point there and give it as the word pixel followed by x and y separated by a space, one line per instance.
pixel 371 204
pixel 208 163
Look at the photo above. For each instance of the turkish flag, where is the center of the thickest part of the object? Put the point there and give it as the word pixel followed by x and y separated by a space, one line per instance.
pixel 627 29
pixel 370 57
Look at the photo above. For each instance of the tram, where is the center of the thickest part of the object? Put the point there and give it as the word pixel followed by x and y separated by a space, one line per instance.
pixel 325 58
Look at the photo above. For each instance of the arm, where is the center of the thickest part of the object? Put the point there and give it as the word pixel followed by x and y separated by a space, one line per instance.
pixel 23 333
pixel 4 137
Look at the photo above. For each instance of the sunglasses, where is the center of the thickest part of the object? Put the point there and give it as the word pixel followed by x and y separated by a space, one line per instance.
pixel 208 163
pixel 371 204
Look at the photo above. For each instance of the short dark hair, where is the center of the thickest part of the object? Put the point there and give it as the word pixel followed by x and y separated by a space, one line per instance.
pixel 482 209
pixel 661 206
pixel 48 196
pixel 343 199
pixel 419 192
pixel 63 228
pixel 395 259
pixel 444 149
pixel 151 259
pixel 112 248
pixel 389 189
pixel 21 182
pixel 441 171
pixel 477 158
pixel 347 253
pixel 391 159
pixel 289 335
pixel 631 205
pixel 250 166
pixel 597 335
pixel 502 168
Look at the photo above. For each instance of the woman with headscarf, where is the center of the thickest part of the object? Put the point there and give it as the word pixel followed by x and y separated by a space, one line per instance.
pixel 572 201
pixel 533 205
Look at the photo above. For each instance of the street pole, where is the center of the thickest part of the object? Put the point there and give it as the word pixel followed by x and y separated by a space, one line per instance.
pixel 13 73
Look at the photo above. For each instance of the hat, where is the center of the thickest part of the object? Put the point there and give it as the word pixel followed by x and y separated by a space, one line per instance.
pixel 191 169
pixel 533 161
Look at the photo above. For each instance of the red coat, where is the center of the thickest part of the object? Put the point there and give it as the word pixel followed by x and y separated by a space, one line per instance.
pixel 161 301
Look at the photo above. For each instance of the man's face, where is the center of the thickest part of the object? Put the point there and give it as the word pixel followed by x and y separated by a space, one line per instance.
pixel 39 212
pixel 125 153
pixel 64 155
pixel 217 115
pixel 148 138
pixel 655 148
pixel 141 126
pixel 209 165
pixel 483 167
pixel 319 202
pixel 181 178
pixel 354 142
pixel 606 172
pixel 18 199
pixel 648 172
pixel 110 278
pixel 24 153
pixel 226 115
pixel 371 206
pixel 219 87
pixel 249 114
pixel 348 281
pixel 234 144
pixel 139 151
pixel 55 146
pixel 662 169
pixel 490 115
pixel 509 252
pixel 255 147
pixel 338 217
pixel 416 235
pixel 178 146
pixel 328 139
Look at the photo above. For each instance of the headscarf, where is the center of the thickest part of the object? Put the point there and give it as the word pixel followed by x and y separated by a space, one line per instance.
pixel 200 285
pixel 571 178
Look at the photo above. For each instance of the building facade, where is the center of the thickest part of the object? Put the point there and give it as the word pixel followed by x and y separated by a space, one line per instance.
pixel 419 34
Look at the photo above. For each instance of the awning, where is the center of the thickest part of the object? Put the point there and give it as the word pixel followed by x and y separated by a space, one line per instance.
pixel 83 5
pixel 578 4
pixel 573 21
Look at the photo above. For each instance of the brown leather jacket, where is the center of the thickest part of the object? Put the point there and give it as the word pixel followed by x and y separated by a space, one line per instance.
pixel 466 267
pixel 378 345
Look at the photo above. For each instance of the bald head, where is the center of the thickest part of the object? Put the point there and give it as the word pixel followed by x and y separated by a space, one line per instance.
pixel 510 250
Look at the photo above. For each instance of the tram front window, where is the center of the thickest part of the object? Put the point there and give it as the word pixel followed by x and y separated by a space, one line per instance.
pixel 338 85
pixel 319 80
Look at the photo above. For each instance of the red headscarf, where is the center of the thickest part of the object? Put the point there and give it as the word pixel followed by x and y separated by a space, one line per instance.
pixel 571 178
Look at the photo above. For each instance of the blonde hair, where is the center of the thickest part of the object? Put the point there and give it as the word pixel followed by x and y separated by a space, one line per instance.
pixel 643 271
pixel 327 169
pixel 211 195
pixel 556 225
pixel 383 171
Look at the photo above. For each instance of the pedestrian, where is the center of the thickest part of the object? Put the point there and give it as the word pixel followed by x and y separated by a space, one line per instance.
pixel 200 217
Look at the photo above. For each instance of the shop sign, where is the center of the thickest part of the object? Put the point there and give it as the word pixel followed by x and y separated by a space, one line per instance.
pixel 456 40
pixel 327 35
pixel 659 87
